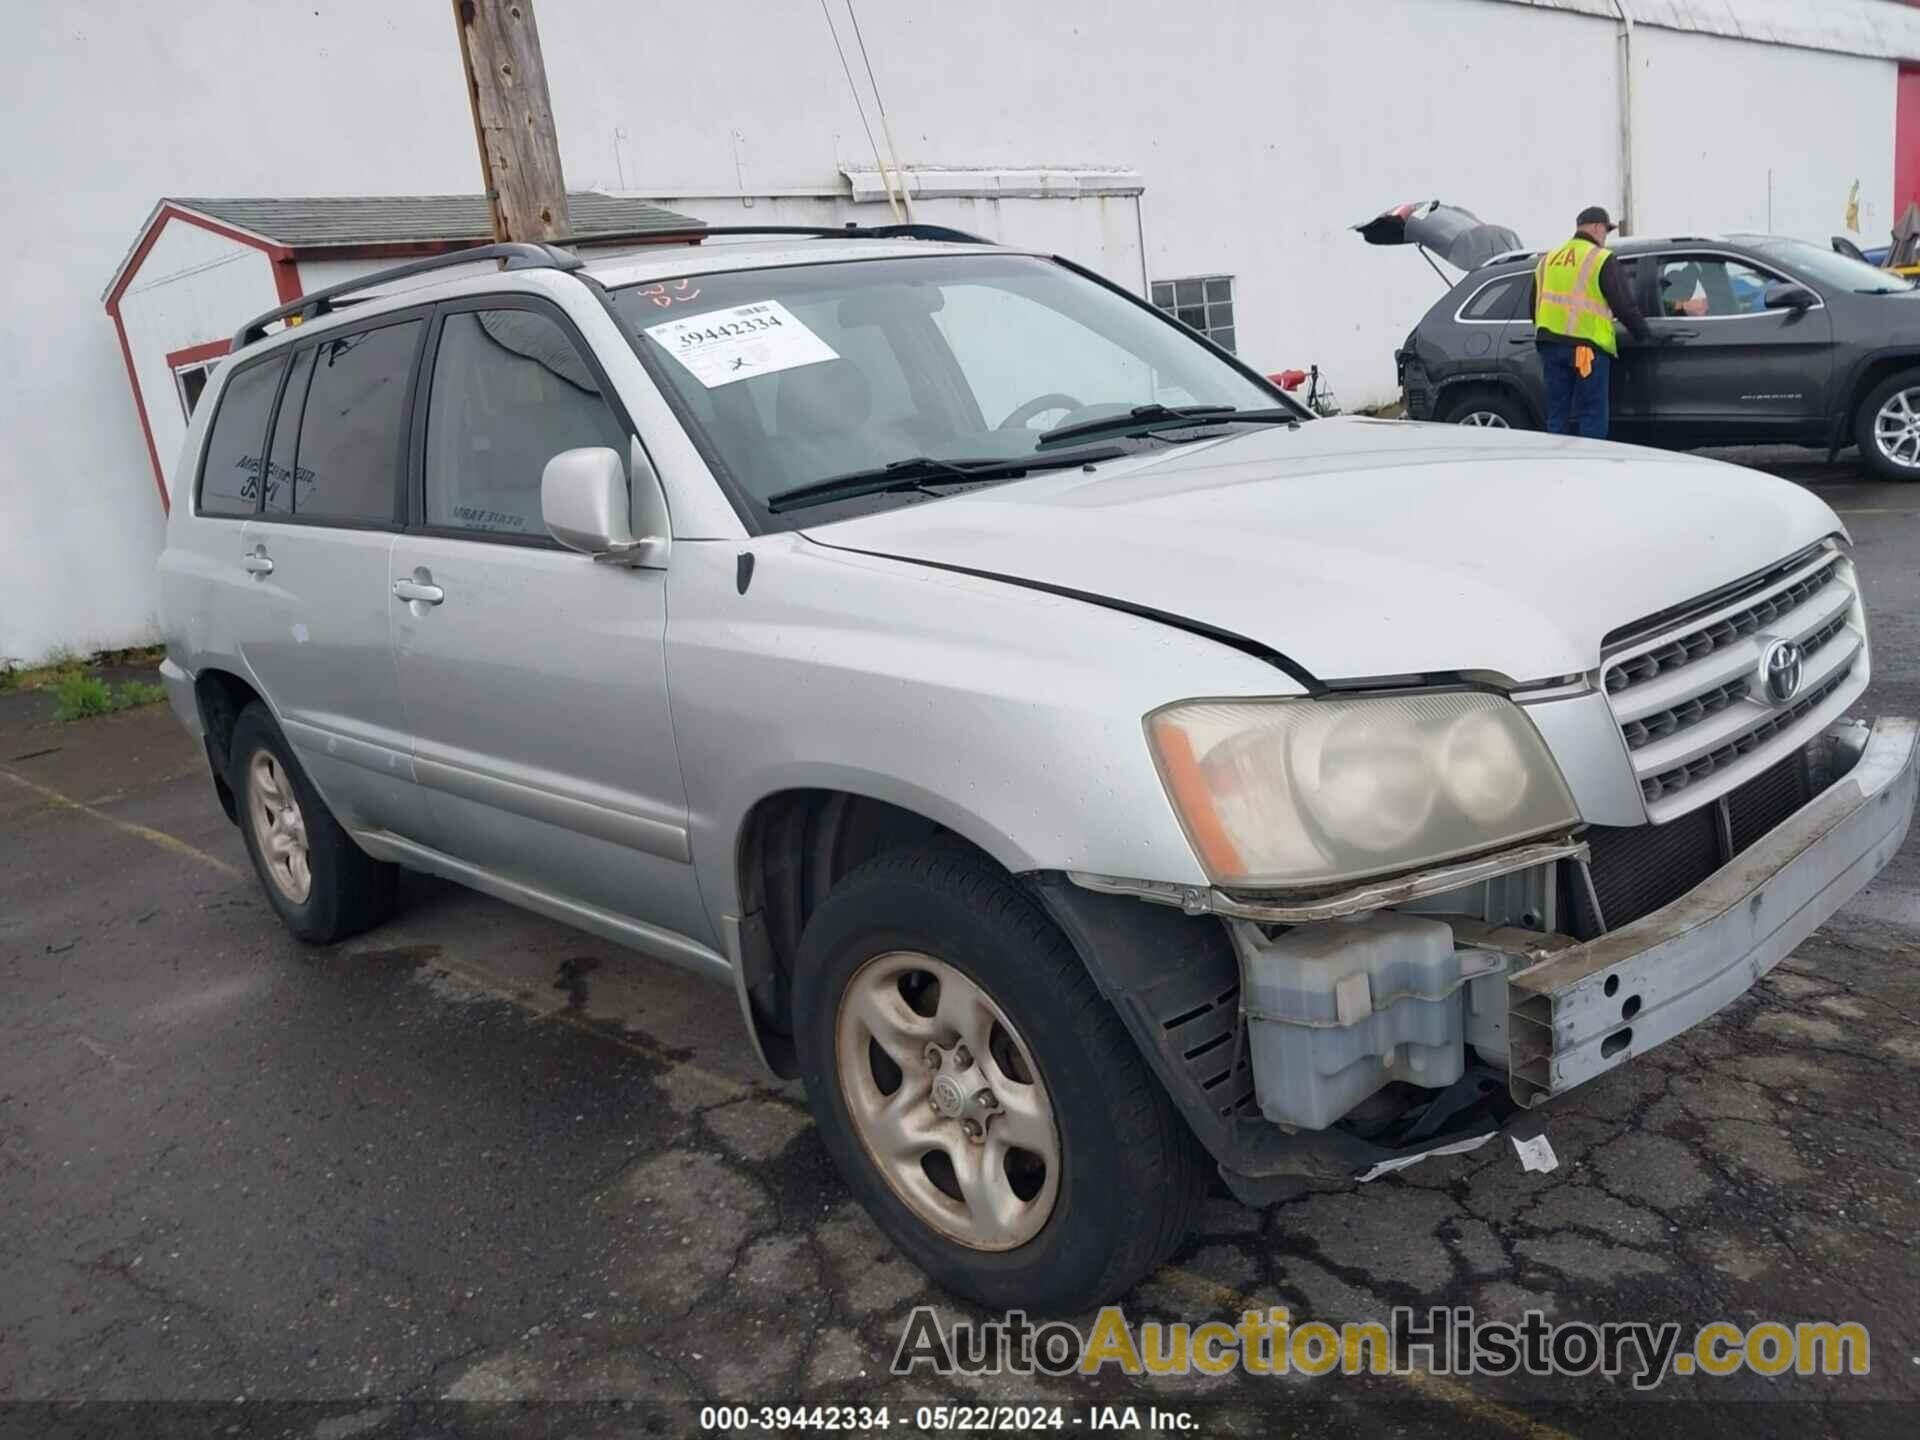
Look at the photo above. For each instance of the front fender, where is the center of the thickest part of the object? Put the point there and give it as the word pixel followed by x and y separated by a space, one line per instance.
pixel 1866 370
pixel 1013 718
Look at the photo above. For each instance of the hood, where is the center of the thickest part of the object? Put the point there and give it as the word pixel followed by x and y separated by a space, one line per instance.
pixel 1361 549
pixel 1457 236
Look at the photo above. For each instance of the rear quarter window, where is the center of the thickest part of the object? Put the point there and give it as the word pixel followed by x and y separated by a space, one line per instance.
pixel 1501 299
pixel 230 471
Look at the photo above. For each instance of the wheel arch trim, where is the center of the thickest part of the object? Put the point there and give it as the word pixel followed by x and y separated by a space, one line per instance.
pixel 1444 392
pixel 1871 369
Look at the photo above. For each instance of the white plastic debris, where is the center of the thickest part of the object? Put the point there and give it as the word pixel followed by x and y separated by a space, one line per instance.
pixel 1401 1162
pixel 1535 1154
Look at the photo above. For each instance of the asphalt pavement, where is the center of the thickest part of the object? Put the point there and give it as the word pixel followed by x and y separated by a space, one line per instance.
pixel 477 1172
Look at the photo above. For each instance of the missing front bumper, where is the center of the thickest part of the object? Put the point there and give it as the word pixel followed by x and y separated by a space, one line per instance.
pixel 1597 1005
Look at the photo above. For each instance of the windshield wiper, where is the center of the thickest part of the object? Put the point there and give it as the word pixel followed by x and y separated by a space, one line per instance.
pixel 1144 418
pixel 919 470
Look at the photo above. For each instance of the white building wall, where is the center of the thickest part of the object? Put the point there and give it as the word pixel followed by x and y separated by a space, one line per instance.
pixel 1102 232
pixel 1260 130
pixel 1734 135
pixel 129 103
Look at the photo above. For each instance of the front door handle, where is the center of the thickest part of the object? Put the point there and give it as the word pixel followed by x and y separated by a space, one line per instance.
pixel 257 563
pixel 419 589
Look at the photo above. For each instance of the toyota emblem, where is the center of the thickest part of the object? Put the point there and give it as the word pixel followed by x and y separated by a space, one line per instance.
pixel 1780 671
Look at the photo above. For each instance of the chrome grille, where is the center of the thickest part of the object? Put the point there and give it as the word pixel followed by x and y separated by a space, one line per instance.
pixel 1687 693
pixel 1722 632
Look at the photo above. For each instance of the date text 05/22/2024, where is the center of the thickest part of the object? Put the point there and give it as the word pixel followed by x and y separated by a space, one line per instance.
pixel 958 1419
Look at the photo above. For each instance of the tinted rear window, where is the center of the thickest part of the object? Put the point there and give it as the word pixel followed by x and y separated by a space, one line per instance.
pixel 352 450
pixel 230 475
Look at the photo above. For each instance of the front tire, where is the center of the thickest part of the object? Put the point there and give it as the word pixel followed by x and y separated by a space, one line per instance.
pixel 980 1097
pixel 1887 428
pixel 324 887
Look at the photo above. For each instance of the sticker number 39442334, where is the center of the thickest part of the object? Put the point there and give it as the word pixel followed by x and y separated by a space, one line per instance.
pixel 740 342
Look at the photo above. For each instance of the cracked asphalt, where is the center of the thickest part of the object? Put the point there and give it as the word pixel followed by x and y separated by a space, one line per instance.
pixel 475 1159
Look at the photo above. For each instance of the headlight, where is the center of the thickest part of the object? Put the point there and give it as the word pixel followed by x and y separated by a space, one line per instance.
pixel 1313 792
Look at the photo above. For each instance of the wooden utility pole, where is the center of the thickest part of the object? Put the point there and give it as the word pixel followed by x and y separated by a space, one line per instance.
pixel 513 119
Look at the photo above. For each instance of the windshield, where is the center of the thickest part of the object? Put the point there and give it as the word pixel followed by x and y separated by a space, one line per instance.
pixel 794 375
pixel 1828 266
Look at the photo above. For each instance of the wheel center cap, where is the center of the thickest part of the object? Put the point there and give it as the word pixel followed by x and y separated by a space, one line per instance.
pixel 949 1096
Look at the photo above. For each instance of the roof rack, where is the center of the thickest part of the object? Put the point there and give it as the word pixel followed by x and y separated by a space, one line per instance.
pixel 522 255
pixel 518 255
pixel 849 231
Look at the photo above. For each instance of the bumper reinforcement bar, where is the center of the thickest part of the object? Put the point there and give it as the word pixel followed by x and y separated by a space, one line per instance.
pixel 1594 1006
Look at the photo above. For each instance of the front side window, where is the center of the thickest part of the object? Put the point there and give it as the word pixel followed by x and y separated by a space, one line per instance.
pixel 795 375
pixel 1710 287
pixel 350 457
pixel 230 473
pixel 509 393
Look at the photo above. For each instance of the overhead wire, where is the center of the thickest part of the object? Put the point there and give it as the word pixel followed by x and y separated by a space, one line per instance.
pixel 886 125
pixel 893 202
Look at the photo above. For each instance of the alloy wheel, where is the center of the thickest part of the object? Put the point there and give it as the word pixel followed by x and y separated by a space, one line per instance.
pixel 1896 429
pixel 1489 419
pixel 947 1101
pixel 279 829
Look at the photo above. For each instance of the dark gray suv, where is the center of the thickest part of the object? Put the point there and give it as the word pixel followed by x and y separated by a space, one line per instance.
pixel 1771 341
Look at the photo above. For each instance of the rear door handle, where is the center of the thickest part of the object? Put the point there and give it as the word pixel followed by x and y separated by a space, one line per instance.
pixel 419 590
pixel 1683 334
pixel 1520 340
pixel 257 563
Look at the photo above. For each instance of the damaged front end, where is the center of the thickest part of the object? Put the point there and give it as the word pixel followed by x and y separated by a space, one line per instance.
pixel 1346 1035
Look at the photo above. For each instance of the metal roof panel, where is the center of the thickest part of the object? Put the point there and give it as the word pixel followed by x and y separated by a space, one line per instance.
pixel 324 222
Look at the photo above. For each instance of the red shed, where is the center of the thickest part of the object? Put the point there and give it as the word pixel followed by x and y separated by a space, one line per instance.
pixel 200 268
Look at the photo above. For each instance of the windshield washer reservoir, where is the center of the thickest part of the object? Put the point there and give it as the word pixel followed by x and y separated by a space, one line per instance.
pixel 1337 1010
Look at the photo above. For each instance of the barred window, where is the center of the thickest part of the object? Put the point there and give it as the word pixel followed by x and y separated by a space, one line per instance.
pixel 1203 303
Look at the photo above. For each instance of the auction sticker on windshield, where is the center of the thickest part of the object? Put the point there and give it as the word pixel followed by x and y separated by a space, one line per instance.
pixel 738 343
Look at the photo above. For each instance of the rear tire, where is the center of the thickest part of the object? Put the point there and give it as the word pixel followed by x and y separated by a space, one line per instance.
pixel 324 887
pixel 1483 405
pixel 921 937
pixel 1887 428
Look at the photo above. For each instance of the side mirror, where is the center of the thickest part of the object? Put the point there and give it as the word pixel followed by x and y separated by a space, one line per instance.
pixel 584 502
pixel 1786 295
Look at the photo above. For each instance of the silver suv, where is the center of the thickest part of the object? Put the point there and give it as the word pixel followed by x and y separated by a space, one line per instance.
pixel 1090 772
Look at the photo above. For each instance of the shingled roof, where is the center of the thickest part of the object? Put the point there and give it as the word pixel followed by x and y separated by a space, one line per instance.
pixel 346 221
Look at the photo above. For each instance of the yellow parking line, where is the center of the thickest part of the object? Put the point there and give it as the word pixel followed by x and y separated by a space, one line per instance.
pixel 173 844
pixel 1430 1387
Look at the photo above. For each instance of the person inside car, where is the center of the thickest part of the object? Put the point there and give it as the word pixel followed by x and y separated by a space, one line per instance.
pixel 1682 292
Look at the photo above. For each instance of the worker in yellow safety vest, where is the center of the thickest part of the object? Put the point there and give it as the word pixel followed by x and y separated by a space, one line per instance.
pixel 1578 294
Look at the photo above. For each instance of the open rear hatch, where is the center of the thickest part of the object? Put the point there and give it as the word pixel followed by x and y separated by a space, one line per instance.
pixel 1459 237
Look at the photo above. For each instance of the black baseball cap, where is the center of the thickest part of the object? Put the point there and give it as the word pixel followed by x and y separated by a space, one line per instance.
pixel 1595 215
